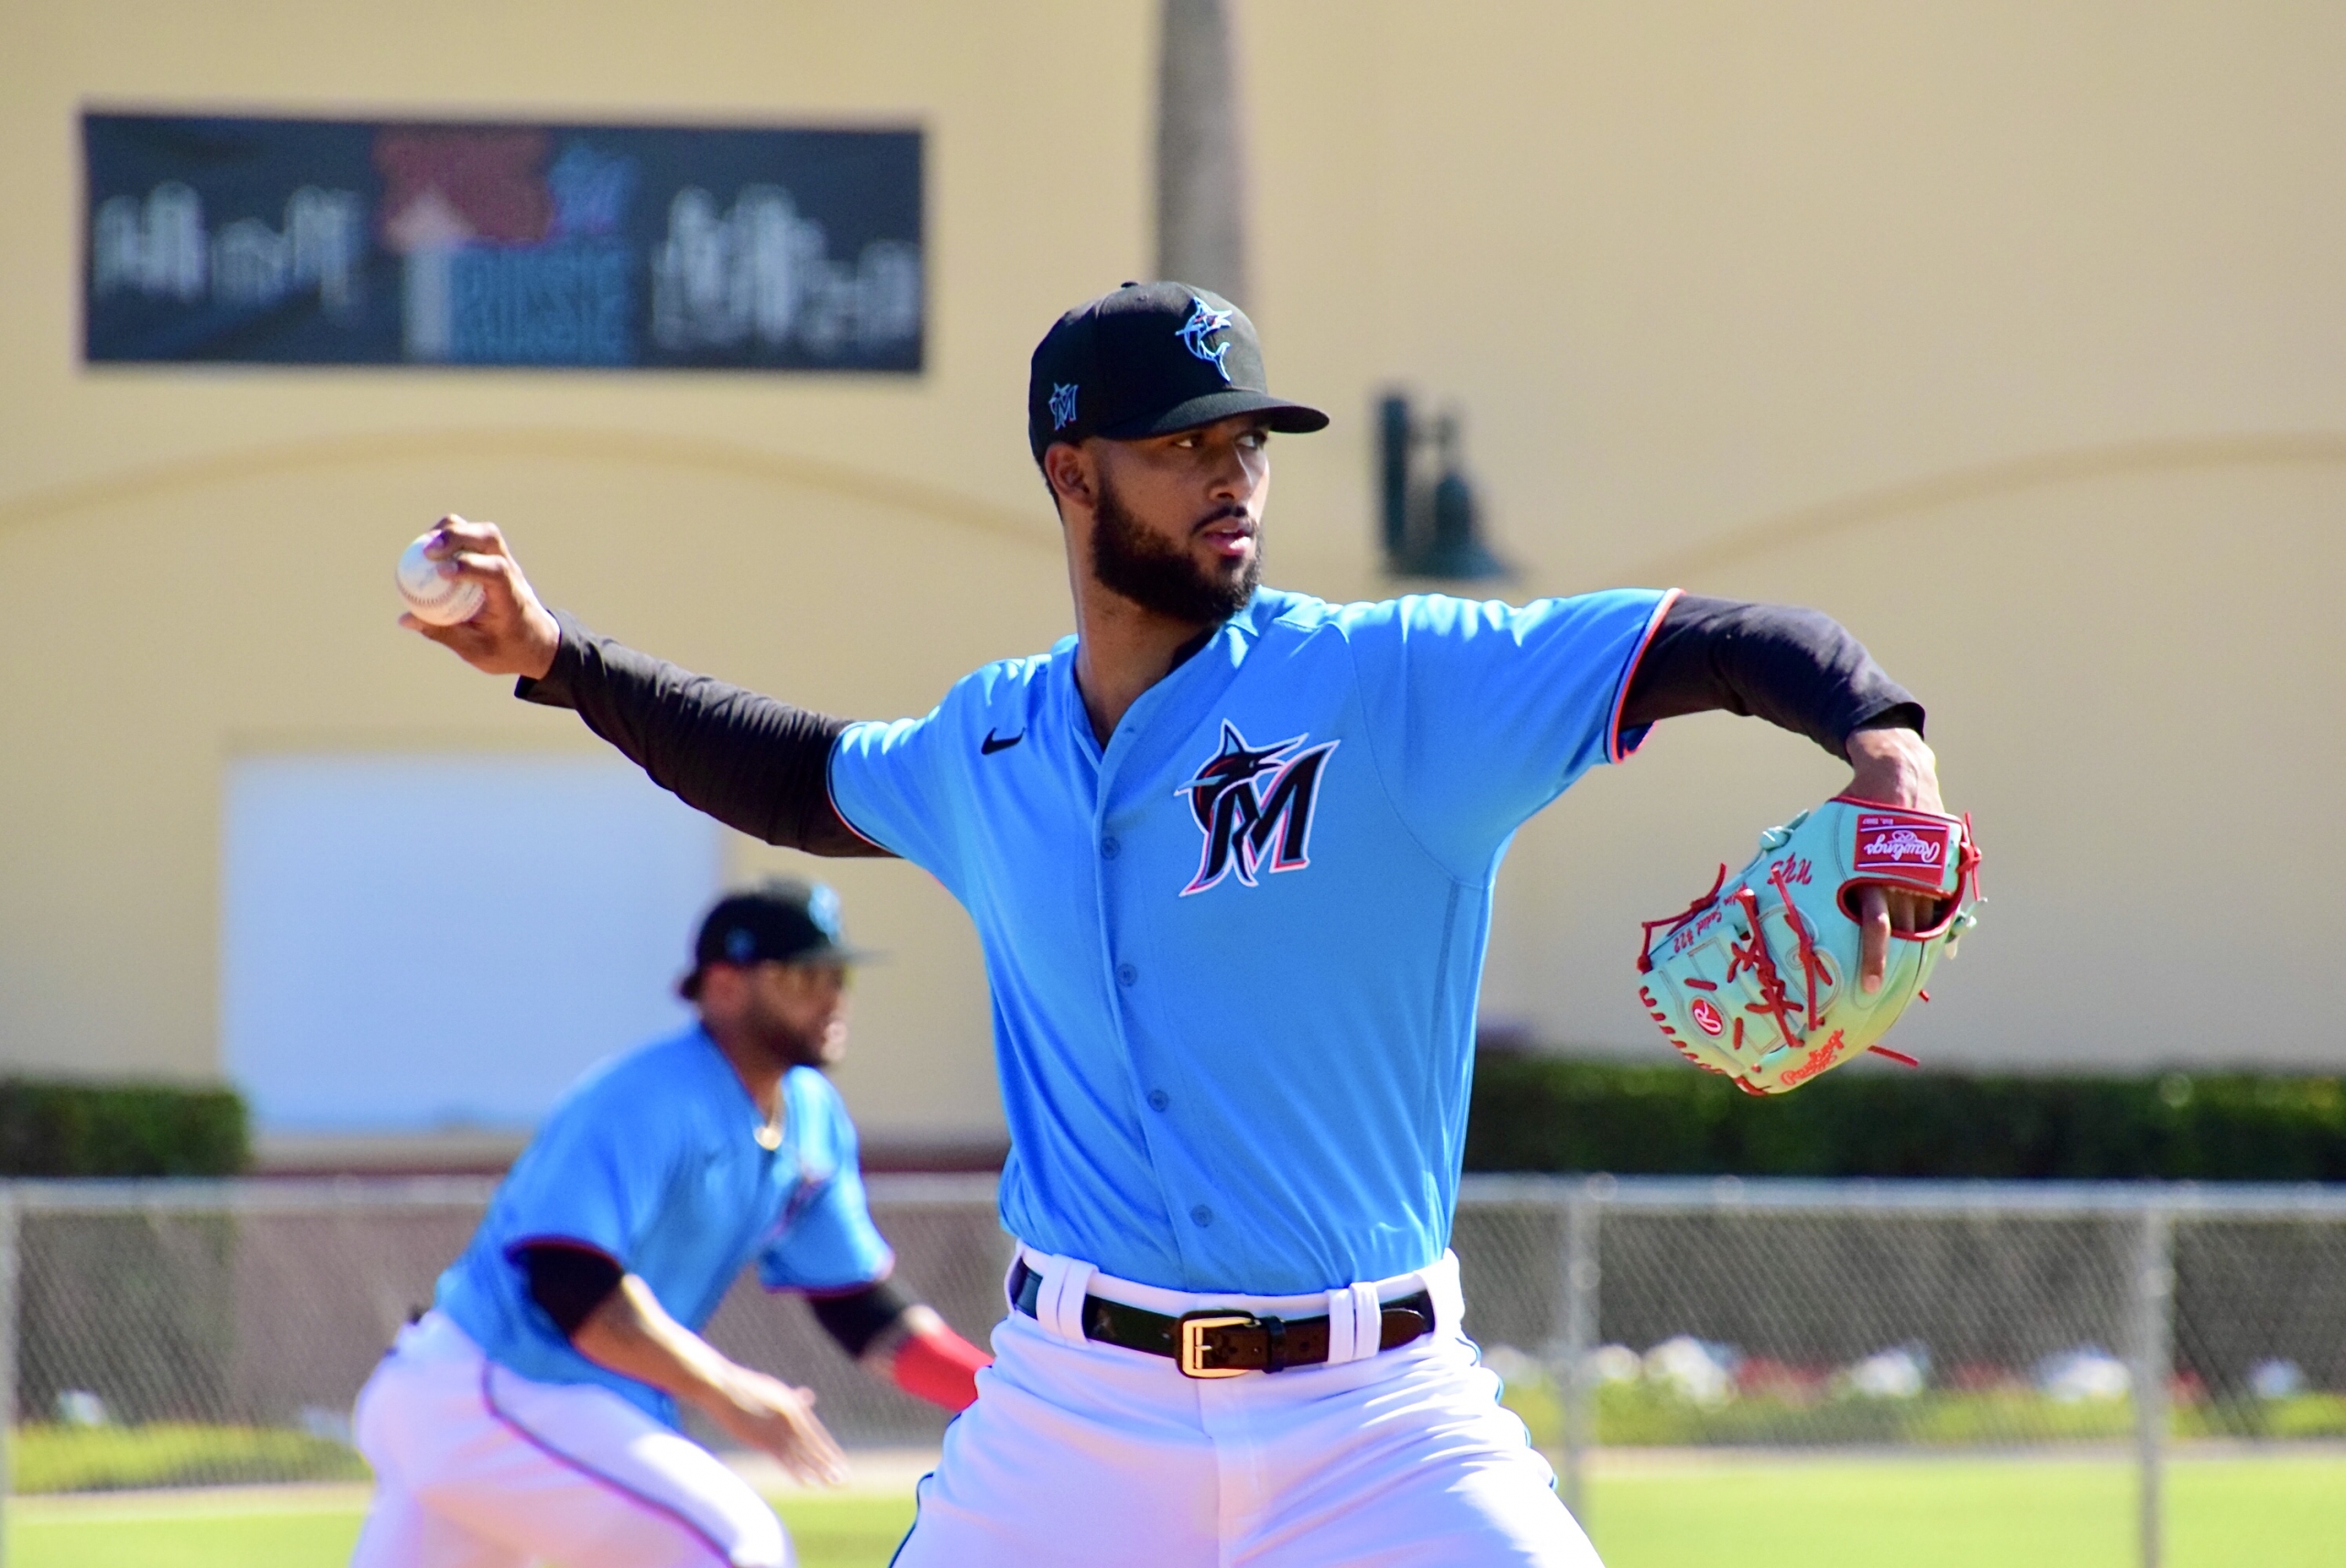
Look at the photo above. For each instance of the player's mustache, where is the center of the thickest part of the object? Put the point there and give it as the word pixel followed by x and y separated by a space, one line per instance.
pixel 1228 513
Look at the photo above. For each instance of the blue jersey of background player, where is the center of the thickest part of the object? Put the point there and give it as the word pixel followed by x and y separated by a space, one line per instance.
pixel 1230 856
pixel 649 1167
pixel 577 1306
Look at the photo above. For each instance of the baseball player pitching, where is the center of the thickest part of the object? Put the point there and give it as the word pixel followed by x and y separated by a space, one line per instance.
pixel 1230 852
pixel 530 1415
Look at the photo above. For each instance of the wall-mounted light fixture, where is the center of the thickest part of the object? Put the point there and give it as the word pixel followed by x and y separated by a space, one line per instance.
pixel 1430 525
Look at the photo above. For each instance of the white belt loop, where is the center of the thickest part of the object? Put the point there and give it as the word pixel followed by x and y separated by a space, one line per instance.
pixel 1058 1302
pixel 1355 1323
pixel 1441 1284
pixel 1339 1324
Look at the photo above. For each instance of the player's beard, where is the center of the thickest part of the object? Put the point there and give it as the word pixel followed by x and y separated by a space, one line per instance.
pixel 1162 577
pixel 791 1045
pixel 823 1048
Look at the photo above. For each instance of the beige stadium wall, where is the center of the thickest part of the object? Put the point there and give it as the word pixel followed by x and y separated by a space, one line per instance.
pixel 2009 335
pixel 194 564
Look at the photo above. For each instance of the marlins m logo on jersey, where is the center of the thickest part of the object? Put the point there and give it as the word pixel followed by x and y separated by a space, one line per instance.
pixel 1254 803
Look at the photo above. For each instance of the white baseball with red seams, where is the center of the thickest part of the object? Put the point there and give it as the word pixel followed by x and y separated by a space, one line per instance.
pixel 432 599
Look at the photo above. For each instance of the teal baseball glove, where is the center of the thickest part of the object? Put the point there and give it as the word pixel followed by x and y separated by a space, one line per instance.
pixel 1758 979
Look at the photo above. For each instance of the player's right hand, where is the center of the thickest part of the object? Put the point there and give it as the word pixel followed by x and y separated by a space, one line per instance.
pixel 768 1414
pixel 514 634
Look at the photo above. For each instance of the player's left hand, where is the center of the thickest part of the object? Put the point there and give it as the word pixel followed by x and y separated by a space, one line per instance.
pixel 1894 767
pixel 766 1413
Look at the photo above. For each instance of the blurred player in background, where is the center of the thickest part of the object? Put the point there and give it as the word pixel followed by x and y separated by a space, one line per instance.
pixel 1231 853
pixel 532 1414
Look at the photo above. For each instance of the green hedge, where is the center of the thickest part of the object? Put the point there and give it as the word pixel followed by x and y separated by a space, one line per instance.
pixel 1559 1114
pixel 50 1128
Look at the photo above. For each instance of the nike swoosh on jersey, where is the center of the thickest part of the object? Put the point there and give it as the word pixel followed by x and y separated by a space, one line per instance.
pixel 994 743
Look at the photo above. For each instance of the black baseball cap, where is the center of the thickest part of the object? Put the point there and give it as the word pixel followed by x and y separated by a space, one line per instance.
pixel 1149 360
pixel 786 921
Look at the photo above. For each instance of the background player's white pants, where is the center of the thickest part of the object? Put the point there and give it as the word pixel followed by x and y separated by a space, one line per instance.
pixel 476 1468
pixel 1088 1454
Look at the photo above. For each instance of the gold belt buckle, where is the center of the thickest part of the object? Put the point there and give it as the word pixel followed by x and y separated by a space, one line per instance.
pixel 1194 1328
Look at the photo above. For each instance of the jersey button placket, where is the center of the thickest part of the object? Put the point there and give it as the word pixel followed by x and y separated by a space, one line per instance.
pixel 1120 924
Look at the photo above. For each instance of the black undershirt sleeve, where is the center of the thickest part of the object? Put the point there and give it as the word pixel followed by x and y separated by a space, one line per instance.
pixel 752 763
pixel 1798 669
pixel 568 1281
pixel 859 1317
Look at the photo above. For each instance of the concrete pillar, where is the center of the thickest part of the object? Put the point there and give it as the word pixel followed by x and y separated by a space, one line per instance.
pixel 1201 150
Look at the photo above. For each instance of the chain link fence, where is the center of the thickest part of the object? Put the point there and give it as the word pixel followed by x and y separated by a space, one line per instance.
pixel 198 1333
pixel 1915 1315
pixel 204 1333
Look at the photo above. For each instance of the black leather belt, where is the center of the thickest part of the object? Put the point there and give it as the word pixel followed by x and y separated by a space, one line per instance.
pixel 1220 1342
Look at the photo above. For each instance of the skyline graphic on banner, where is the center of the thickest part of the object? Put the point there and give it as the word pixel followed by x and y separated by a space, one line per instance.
pixel 335 242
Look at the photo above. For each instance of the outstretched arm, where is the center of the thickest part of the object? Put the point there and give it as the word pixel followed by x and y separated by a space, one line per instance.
pixel 904 1340
pixel 753 763
pixel 1802 671
pixel 1798 669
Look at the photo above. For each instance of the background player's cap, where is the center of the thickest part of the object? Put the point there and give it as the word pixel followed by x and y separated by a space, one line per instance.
pixel 786 920
pixel 1149 360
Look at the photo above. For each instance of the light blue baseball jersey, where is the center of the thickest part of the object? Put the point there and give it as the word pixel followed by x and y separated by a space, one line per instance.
pixel 1236 952
pixel 652 1159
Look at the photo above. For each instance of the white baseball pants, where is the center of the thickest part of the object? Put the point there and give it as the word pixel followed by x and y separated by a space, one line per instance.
pixel 1084 1454
pixel 477 1468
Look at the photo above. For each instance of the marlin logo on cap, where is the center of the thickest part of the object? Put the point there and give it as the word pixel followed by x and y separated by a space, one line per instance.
pixel 823 908
pixel 1203 323
pixel 1062 405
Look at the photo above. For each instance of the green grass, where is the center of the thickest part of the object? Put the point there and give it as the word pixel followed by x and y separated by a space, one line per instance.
pixel 847 1532
pixel 1748 1511
pixel 1965 1513
pixel 850 1531
pixel 164 1453
pixel 256 1541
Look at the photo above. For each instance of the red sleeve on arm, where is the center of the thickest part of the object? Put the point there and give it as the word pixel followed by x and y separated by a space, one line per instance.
pixel 941 1367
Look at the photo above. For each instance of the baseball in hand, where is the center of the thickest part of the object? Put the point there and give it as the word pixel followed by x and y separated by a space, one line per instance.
pixel 432 599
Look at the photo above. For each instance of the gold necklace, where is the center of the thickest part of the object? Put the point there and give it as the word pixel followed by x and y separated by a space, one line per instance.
pixel 769 1132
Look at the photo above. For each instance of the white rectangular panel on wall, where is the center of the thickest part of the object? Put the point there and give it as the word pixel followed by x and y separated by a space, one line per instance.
pixel 412 942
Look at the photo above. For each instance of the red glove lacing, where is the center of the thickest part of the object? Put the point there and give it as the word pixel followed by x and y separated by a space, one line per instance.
pixel 1670 922
pixel 1811 962
pixel 1774 1001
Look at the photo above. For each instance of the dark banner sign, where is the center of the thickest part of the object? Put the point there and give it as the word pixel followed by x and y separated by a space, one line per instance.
pixel 335 242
